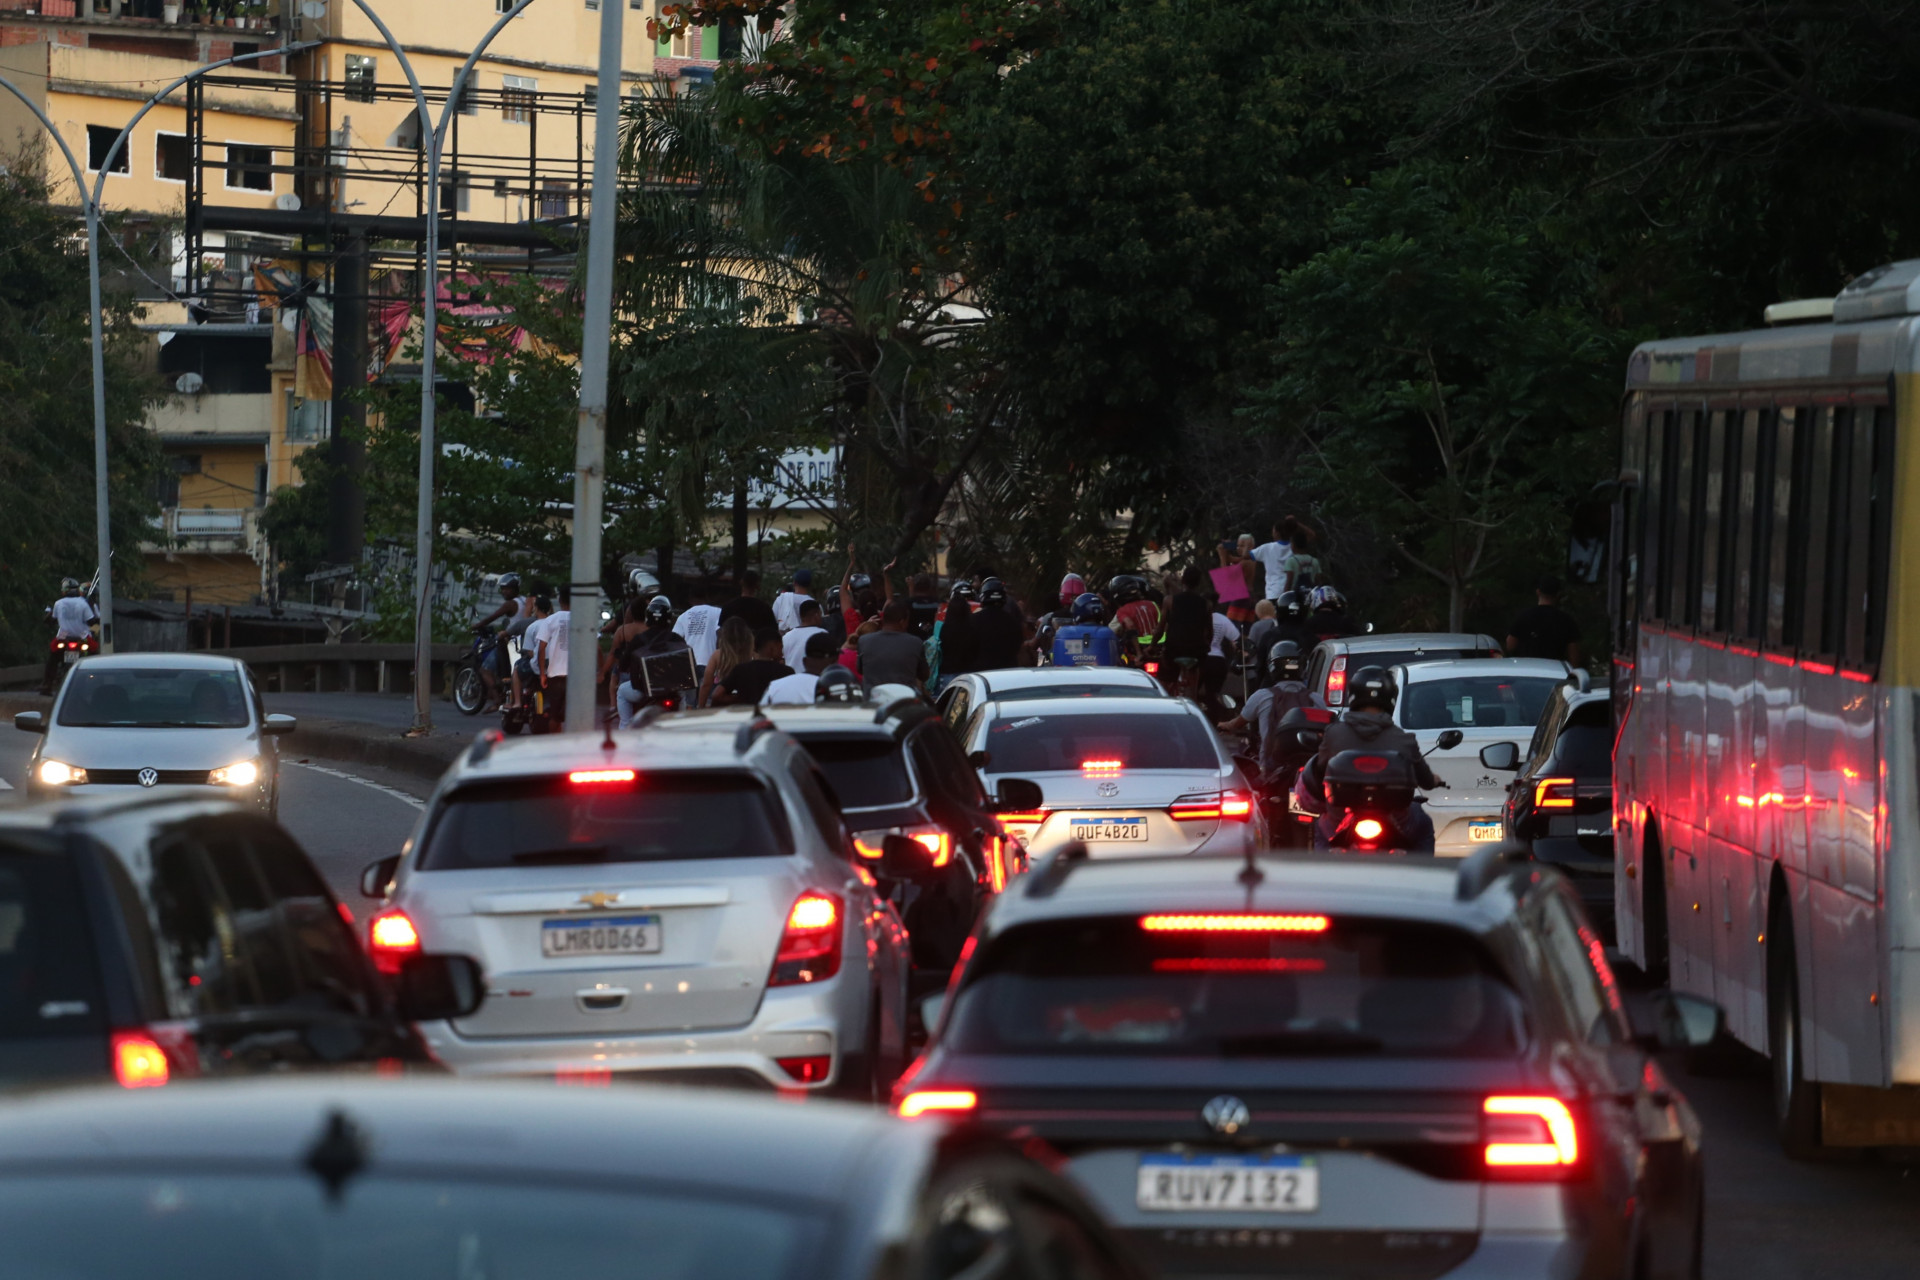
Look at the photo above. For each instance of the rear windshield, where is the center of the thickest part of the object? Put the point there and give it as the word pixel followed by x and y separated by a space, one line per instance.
pixel 185 1225
pixel 1042 744
pixel 1362 987
pixel 155 698
pixel 660 817
pixel 1477 702
pixel 866 773
pixel 49 984
pixel 1585 749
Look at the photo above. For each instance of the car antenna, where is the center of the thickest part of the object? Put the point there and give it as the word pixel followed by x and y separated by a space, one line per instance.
pixel 338 1154
pixel 606 743
pixel 1251 875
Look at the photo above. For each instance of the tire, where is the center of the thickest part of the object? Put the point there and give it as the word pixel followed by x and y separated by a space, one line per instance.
pixel 1796 1100
pixel 469 690
pixel 1653 910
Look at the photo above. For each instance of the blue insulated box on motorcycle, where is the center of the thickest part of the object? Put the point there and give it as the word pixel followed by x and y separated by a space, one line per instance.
pixel 668 672
pixel 1381 781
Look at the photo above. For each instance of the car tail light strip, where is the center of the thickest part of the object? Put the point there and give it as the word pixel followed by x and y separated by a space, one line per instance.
pixel 1528 1133
pixel 1232 807
pixel 924 1102
pixel 1337 682
pixel 601 777
pixel 810 945
pixel 1235 924
pixel 1238 964
pixel 1553 793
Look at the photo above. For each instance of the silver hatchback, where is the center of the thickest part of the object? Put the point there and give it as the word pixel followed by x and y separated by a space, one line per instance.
pixel 683 904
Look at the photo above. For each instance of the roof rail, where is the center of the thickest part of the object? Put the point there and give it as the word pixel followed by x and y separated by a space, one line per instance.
pixel 748 732
pixel 888 708
pixel 1483 867
pixel 483 744
pixel 648 714
pixel 1044 882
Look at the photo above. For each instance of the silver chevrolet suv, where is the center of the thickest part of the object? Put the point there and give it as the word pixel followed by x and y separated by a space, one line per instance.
pixel 685 905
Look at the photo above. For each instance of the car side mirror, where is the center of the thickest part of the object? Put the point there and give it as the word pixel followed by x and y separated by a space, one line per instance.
pixel 979 759
pixel 1450 738
pixel 1018 795
pixel 1502 756
pixel 436 988
pixel 277 724
pixel 1679 1021
pixel 902 858
pixel 376 876
pixel 30 721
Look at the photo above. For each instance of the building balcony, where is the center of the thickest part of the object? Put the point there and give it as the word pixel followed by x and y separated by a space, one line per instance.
pixel 153 14
pixel 209 531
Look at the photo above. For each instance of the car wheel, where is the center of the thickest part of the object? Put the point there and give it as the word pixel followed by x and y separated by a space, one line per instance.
pixel 1653 909
pixel 1697 1264
pixel 1796 1100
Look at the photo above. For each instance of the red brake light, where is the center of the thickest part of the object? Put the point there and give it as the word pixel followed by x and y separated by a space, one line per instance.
pixel 1237 964
pixel 1235 805
pixel 1553 793
pixel 584 1077
pixel 1530 1136
pixel 1235 924
pixel 1232 805
pixel 1153 668
pixel 808 1070
pixel 932 1101
pixel 810 945
pixel 138 1060
pixel 391 938
pixel 1337 682
pixel 1101 768
pixel 600 777
pixel 1370 764
pixel 937 843
pixel 1368 829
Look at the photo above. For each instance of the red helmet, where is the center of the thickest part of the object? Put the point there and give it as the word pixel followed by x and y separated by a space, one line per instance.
pixel 1071 587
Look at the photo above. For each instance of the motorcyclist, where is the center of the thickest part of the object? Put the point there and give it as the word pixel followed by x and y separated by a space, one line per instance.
pixel 1086 641
pixel 518 610
pixel 73 619
pixel 998 628
pixel 656 635
pixel 1135 618
pixel 1288 687
pixel 837 684
pixel 958 643
pixel 1368 726
pixel 1329 619
pixel 1072 587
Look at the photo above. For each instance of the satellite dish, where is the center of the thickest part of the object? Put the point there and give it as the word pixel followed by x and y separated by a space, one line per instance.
pixel 315 9
pixel 286 200
pixel 189 384
pixel 289 319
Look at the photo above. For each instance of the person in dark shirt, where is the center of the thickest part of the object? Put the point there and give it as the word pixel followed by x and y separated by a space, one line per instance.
pixel 959 642
pixel 1189 629
pixel 998 628
pixel 1546 630
pixel 923 607
pixel 748 605
pixel 747 683
pixel 893 655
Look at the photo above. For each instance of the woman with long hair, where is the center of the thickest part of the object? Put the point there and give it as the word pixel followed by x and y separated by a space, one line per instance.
pixel 734 646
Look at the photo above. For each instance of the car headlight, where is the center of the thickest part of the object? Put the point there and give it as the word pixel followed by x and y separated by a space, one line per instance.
pixel 53 773
pixel 242 774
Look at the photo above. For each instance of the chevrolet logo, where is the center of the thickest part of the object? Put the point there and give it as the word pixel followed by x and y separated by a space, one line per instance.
pixel 599 899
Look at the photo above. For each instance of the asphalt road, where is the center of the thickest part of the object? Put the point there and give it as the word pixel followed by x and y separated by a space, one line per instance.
pixel 1768 1218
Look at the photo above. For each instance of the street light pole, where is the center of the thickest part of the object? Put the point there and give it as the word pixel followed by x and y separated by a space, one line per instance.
pixel 590 448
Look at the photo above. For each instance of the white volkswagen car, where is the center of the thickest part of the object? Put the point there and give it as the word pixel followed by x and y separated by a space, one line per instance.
pixel 1489 700
pixel 684 906
pixel 1130 777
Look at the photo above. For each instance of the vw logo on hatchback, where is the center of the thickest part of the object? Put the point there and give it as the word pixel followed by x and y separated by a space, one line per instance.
pixel 1226 1115
pixel 148 777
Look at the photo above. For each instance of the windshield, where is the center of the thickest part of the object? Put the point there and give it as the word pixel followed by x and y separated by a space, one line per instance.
pixel 866 773
pixel 1046 744
pixel 1110 986
pixel 1477 702
pixel 185 1227
pixel 49 985
pixel 157 698
pixel 660 817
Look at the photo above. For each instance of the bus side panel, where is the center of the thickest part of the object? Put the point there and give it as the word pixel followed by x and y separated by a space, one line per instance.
pixel 1844 901
pixel 1738 905
pixel 1900 846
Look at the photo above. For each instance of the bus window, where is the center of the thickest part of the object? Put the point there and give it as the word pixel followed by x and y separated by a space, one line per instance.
pixel 1679 568
pixel 1780 576
pixel 1880 545
pixel 1740 618
pixel 1816 636
pixel 1712 502
pixel 1858 602
pixel 1652 516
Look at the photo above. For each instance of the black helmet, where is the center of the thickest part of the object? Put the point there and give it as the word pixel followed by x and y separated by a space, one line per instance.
pixel 1293 605
pixel 993 592
pixel 859 582
pixel 962 590
pixel 508 582
pixel 660 612
pixel 833 598
pixel 1089 608
pixel 837 684
pixel 1371 687
pixel 1126 588
pixel 69 585
pixel 1285 660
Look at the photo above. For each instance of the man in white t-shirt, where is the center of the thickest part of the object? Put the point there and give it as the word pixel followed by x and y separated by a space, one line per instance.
pixel 73 617
pixel 699 626
pixel 1273 558
pixel 793 646
pixel 799 688
pixel 552 659
pixel 786 605
pixel 1214 667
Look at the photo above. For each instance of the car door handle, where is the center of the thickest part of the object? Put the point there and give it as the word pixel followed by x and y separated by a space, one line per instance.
pixel 601 999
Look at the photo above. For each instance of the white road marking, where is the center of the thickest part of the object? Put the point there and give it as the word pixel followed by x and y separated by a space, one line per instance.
pixel 395 792
pixel 5 785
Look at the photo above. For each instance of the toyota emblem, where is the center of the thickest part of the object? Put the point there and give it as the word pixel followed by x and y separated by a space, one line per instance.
pixel 148 777
pixel 1226 1115
pixel 1109 788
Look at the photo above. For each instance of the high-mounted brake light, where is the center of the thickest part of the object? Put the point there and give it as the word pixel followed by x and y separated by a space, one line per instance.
pixel 1235 924
pixel 1337 682
pixel 1238 964
pixel 810 945
pixel 1534 1136
pixel 600 777
pixel 1101 767
pixel 138 1060
pixel 391 938
pixel 1368 829
pixel 1553 793
pixel 924 1102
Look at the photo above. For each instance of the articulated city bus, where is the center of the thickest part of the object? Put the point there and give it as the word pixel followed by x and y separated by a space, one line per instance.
pixel 1764 581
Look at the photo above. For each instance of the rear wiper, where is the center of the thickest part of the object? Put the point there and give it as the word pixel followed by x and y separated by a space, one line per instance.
pixel 568 853
pixel 1299 1042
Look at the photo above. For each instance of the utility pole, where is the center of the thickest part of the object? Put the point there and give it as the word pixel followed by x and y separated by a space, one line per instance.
pixel 590 450
pixel 347 451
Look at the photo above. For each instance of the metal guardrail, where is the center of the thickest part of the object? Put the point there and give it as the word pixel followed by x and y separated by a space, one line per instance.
pixel 313 668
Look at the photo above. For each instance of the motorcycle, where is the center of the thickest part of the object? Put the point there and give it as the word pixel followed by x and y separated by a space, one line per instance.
pixel 1373 792
pixel 71 651
pixel 1290 824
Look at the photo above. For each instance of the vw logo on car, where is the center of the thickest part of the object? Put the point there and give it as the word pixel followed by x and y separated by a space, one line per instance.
pixel 147 777
pixel 1226 1115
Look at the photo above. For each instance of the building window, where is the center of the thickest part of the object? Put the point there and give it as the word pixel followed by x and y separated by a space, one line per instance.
pixel 172 158
pixel 360 71
pixel 590 96
pixel 259 484
pixel 503 187
pixel 463 101
pixel 593 4
pixel 456 191
pixel 555 198
pixel 306 419
pixel 503 6
pixel 249 168
pixel 100 140
pixel 517 98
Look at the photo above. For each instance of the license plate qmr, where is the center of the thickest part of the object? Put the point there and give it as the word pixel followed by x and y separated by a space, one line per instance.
pixel 1109 828
pixel 1228 1184
pixel 1483 831
pixel 605 936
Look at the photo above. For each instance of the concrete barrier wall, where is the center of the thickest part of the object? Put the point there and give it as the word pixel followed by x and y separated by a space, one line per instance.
pixel 314 668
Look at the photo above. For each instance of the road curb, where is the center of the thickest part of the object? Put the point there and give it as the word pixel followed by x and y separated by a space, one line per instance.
pixel 343 740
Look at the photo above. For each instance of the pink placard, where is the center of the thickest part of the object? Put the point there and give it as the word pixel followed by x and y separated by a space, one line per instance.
pixel 1229 583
